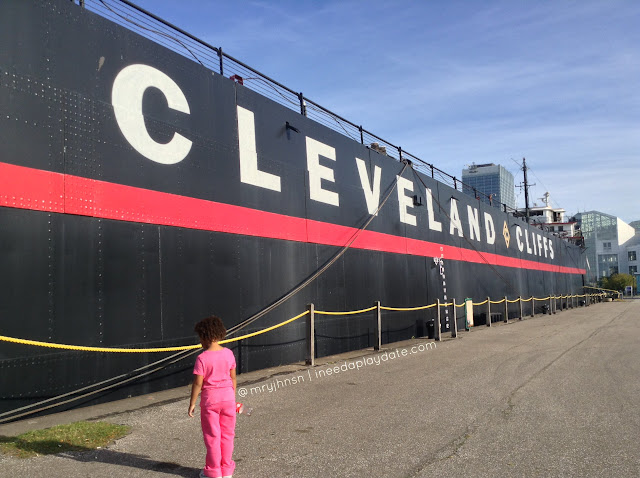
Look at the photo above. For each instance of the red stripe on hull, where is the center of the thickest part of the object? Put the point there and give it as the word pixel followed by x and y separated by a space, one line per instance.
pixel 39 190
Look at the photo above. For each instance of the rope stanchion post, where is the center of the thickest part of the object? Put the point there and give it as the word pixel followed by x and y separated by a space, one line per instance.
pixel 378 342
pixel 533 307
pixel 311 336
pixel 550 305
pixel 520 304
pixel 466 317
pixel 488 311
pixel 454 329
pixel 506 310
pixel 438 331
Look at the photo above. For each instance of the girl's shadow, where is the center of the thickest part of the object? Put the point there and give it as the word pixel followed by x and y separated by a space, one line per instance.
pixel 134 461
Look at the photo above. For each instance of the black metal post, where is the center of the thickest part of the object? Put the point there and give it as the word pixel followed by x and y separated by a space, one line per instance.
pixel 311 336
pixel 303 107
pixel 378 336
pixel 526 189
pixel 220 57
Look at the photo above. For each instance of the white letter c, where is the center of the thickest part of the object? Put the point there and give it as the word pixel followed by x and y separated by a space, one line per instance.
pixel 126 98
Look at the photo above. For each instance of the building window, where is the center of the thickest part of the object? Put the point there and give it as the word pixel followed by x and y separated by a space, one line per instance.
pixel 632 255
pixel 633 270
pixel 606 245
pixel 560 228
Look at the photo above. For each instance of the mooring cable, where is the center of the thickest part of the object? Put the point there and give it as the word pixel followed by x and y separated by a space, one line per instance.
pixel 184 354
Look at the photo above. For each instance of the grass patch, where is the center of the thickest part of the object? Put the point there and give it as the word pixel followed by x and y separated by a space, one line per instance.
pixel 78 436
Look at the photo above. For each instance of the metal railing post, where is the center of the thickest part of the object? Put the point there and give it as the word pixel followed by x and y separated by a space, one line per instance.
pixel 520 303
pixel 533 307
pixel 311 336
pixel 488 311
pixel 506 310
pixel 378 343
pixel 303 107
pixel 454 329
pixel 220 56
pixel 438 330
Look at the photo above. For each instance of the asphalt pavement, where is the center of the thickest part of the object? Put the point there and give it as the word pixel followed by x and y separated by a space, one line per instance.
pixel 550 396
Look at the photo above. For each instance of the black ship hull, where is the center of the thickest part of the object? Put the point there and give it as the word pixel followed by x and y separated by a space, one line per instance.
pixel 129 212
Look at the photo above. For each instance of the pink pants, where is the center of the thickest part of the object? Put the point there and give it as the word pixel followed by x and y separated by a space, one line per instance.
pixel 218 429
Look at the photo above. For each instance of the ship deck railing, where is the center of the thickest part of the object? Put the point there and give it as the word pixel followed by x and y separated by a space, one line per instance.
pixel 146 24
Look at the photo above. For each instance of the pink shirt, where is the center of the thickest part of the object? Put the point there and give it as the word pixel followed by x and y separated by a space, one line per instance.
pixel 215 366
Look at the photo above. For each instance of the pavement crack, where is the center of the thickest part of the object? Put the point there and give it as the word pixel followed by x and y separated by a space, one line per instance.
pixel 451 449
pixel 506 412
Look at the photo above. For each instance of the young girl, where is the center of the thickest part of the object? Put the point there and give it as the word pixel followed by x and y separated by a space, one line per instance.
pixel 215 374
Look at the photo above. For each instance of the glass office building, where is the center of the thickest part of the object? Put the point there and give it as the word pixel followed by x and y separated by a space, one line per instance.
pixel 606 241
pixel 491 180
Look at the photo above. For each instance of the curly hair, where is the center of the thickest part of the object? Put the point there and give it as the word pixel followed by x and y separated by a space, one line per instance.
pixel 210 330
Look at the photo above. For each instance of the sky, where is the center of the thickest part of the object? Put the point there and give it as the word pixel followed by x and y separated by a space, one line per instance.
pixel 461 82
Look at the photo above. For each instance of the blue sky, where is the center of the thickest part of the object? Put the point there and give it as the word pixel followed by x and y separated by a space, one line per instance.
pixel 456 82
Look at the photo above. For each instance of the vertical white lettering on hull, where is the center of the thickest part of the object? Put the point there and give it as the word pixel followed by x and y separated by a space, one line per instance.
pixel 405 202
pixel 317 172
pixel 474 223
pixel 249 172
pixel 371 192
pixel 433 224
pixel 489 228
pixel 126 98
pixel 545 243
pixel 539 245
pixel 526 237
pixel 455 217
pixel 551 254
pixel 519 238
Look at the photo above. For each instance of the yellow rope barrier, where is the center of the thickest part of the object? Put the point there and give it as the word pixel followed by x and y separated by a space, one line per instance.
pixel 148 350
pixel 268 329
pixel 422 307
pixel 94 349
pixel 600 288
pixel 351 312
